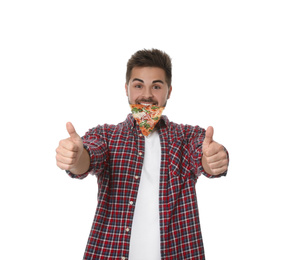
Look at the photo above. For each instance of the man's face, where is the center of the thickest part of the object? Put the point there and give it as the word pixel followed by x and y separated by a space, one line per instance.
pixel 147 85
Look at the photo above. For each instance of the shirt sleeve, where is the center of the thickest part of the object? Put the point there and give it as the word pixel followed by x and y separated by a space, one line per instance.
pixel 196 153
pixel 96 146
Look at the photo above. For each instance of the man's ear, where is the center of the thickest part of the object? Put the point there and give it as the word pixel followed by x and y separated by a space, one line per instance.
pixel 126 88
pixel 169 92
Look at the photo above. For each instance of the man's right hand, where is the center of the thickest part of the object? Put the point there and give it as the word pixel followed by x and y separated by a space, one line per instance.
pixel 71 155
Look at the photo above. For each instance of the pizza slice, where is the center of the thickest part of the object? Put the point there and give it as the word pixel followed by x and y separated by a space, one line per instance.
pixel 147 116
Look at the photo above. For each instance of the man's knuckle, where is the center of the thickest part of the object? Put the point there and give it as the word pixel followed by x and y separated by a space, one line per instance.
pixel 73 147
pixel 72 161
pixel 221 147
pixel 60 165
pixel 73 154
pixel 57 157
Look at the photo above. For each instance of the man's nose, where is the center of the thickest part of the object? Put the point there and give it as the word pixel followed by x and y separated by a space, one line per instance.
pixel 147 92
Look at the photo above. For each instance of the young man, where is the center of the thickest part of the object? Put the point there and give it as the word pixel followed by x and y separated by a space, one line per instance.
pixel 147 205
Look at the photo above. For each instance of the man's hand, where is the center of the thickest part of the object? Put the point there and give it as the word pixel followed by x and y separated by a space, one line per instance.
pixel 71 155
pixel 214 158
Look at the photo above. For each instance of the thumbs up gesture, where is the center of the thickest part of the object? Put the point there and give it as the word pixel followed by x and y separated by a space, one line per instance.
pixel 69 150
pixel 214 158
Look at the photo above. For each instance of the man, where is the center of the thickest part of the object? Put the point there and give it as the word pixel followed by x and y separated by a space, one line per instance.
pixel 147 205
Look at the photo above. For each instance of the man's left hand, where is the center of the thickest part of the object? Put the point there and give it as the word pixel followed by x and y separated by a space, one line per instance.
pixel 215 159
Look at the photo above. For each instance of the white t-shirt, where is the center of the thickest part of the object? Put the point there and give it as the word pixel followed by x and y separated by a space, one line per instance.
pixel 145 234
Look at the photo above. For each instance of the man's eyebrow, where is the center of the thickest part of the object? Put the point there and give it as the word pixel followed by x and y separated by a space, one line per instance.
pixel 137 80
pixel 158 81
pixel 153 82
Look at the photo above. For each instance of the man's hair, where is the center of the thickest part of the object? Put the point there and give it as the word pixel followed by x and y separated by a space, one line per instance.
pixel 150 58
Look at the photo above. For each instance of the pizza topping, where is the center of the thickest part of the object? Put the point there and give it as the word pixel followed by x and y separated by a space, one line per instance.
pixel 147 116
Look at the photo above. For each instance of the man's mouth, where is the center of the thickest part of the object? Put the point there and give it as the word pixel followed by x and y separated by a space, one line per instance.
pixel 147 102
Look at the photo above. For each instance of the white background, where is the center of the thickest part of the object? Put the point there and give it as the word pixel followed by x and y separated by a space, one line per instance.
pixel 66 61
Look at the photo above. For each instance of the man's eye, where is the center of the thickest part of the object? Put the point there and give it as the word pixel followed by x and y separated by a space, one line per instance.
pixel 156 87
pixel 138 86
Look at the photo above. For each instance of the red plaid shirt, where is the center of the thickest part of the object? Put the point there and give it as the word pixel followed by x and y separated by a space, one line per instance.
pixel 116 153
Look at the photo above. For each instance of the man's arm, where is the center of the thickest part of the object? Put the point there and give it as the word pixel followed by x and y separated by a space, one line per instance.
pixel 71 155
pixel 215 158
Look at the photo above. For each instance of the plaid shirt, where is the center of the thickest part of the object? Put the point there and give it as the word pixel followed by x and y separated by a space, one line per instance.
pixel 116 153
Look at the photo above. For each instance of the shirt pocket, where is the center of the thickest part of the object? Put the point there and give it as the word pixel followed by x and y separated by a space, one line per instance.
pixel 179 165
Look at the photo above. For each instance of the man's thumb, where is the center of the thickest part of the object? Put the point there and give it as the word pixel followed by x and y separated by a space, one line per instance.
pixel 209 135
pixel 71 131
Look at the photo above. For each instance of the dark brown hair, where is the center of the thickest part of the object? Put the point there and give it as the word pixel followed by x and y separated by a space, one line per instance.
pixel 150 58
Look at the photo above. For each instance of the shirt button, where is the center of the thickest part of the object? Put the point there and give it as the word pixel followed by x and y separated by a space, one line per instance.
pixel 140 153
pixel 140 135
pixel 127 229
pixel 123 258
pixel 136 177
pixel 131 202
